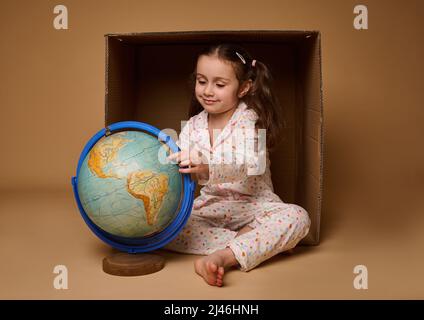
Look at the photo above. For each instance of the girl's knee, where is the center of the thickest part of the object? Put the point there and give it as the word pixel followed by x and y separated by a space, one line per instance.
pixel 302 216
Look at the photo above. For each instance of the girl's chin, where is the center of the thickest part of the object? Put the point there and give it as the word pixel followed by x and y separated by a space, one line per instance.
pixel 213 110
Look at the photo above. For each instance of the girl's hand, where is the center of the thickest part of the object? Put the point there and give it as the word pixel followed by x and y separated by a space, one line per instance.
pixel 191 163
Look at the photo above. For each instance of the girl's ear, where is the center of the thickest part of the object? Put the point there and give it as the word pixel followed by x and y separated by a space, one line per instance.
pixel 244 88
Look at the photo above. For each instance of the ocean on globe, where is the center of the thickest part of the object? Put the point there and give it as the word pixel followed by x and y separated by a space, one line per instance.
pixel 126 186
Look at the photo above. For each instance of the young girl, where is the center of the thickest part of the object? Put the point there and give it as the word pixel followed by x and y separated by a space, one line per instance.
pixel 237 220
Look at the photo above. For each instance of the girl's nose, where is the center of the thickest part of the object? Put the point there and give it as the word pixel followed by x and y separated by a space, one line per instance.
pixel 208 90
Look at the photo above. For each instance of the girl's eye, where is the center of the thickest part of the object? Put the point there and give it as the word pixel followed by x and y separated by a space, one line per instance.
pixel 220 85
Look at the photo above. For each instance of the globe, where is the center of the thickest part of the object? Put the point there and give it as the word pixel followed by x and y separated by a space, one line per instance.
pixel 126 187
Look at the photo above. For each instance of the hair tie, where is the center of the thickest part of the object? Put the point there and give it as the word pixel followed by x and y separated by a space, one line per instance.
pixel 241 57
pixel 253 63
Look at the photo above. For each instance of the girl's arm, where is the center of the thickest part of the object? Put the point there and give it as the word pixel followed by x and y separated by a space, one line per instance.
pixel 189 158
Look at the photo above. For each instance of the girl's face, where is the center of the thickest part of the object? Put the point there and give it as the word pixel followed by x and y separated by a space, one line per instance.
pixel 217 88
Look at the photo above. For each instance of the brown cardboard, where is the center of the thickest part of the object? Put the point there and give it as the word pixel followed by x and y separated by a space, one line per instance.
pixel 147 76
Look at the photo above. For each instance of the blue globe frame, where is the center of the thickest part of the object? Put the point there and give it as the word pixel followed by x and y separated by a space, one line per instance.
pixel 155 241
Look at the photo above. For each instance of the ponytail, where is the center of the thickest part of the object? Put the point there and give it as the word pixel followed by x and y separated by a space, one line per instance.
pixel 262 99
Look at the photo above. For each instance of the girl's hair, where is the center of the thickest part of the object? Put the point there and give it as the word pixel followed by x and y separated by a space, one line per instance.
pixel 261 97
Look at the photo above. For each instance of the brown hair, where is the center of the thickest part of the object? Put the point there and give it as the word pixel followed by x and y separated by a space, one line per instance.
pixel 260 98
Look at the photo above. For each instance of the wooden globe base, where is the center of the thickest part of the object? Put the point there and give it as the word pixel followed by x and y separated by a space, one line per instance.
pixel 128 265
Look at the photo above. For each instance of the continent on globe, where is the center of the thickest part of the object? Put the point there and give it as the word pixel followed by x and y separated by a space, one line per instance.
pixel 149 187
pixel 124 186
pixel 104 153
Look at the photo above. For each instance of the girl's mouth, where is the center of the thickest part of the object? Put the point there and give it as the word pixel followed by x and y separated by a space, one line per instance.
pixel 209 101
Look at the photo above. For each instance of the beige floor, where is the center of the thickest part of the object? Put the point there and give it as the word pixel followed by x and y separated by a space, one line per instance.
pixel 41 230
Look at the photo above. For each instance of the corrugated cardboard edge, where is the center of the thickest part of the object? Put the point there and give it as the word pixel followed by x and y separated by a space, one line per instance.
pixel 106 77
pixel 322 142
pixel 206 32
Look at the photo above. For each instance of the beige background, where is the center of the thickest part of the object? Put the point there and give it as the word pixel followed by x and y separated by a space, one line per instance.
pixel 52 101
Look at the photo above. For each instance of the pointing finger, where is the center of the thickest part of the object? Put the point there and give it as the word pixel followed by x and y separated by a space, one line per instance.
pixel 185 163
pixel 189 170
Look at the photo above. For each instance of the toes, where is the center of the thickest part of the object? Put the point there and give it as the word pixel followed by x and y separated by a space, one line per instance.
pixel 210 281
pixel 210 278
pixel 213 280
pixel 220 277
pixel 220 273
pixel 211 271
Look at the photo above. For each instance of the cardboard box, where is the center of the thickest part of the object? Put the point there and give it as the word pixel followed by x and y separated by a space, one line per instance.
pixel 147 80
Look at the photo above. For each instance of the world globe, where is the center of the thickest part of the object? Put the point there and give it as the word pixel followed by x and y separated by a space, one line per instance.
pixel 127 191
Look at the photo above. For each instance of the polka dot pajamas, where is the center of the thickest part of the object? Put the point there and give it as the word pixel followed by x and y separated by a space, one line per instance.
pixel 231 199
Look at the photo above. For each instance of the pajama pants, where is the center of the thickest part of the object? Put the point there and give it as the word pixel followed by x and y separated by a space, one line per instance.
pixel 277 227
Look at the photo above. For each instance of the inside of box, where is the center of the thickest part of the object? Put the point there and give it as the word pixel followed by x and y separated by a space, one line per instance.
pixel 147 80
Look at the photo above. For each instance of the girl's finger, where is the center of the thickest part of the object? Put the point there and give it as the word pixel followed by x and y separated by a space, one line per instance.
pixel 185 163
pixel 189 170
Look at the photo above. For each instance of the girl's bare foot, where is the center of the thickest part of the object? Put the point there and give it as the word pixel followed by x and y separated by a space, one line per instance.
pixel 212 267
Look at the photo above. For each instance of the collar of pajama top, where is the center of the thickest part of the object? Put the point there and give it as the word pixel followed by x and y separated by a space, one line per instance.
pixel 201 122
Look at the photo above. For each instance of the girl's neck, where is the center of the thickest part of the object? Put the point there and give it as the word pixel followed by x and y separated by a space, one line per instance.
pixel 219 120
